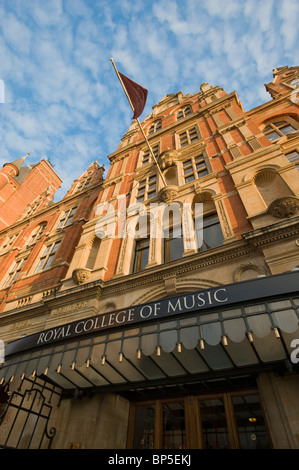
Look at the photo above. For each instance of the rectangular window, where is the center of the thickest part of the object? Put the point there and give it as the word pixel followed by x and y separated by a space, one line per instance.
pixel 173 246
pixel 188 137
pixel 83 184
pixel 212 233
pixel 147 158
pixel 67 218
pixel 194 168
pixel 147 188
pixel 141 254
pixel 15 271
pixel 293 156
pixel 48 256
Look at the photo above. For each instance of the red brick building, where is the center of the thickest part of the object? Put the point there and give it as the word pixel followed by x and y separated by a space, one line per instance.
pixel 151 339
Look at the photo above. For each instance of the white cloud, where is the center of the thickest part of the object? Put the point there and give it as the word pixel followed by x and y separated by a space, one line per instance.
pixel 63 98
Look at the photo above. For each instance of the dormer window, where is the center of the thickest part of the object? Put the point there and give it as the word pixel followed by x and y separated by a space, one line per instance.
pixel 83 184
pixel 155 127
pixel 37 232
pixel 184 112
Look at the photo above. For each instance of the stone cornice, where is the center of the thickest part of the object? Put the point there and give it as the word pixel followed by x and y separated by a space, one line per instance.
pixel 272 234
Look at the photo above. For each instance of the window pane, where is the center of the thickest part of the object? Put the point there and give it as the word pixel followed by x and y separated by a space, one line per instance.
pixel 200 165
pixel 212 234
pixel 189 178
pixel 173 247
pixel 141 255
pixel 293 156
pixel 273 136
pixel 174 433
pixel 55 248
pixel 202 173
pixel 287 129
pixel 214 426
pixel 144 430
pixel 49 261
pixel 159 125
pixel 250 423
pixel 39 267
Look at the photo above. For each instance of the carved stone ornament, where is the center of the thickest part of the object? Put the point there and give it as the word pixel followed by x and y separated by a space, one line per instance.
pixel 168 194
pixel 80 275
pixel 167 158
pixel 284 207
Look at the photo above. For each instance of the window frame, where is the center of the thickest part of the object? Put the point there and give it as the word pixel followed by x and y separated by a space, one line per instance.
pixel 155 127
pixel 275 128
pixel 139 253
pixel 67 218
pixel 15 270
pixel 48 254
pixel 209 216
pixel 83 184
pixel 184 112
pixel 292 159
pixel 146 154
pixel 195 171
pixel 147 188
pixel 186 136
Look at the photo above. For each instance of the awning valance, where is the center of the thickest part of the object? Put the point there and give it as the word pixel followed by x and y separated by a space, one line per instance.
pixel 197 343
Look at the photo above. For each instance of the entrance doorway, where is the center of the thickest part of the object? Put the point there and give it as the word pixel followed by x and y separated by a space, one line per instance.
pixel 222 421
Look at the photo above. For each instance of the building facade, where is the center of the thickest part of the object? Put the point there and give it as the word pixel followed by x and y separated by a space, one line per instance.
pixel 158 307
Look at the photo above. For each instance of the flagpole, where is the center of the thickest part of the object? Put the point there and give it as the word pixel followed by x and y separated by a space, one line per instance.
pixel 139 124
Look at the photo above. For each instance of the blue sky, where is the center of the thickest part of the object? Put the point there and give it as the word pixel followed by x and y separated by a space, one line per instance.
pixel 62 98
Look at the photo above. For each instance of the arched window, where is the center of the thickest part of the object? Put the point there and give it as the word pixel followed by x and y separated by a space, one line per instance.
pixel 184 112
pixel 277 129
pixel 36 233
pixel 155 127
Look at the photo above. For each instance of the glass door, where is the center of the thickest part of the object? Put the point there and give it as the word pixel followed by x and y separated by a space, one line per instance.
pixel 249 422
pixel 221 421
pixel 214 424
pixel 174 433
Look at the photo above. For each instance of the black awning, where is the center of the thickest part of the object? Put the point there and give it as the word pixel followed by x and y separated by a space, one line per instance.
pixel 185 346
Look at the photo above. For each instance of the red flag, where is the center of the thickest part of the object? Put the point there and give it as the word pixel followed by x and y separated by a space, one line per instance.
pixel 137 94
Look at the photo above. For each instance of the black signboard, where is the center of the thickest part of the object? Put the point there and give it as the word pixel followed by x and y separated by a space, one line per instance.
pixel 202 300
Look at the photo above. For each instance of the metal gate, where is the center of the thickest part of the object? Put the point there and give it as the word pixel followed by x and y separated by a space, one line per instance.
pixel 24 421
